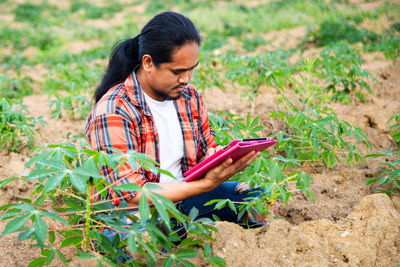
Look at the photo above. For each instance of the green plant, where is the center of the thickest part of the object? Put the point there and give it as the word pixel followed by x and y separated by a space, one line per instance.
pixel 252 72
pixel 395 127
pixel 308 93
pixel 250 44
pixel 333 30
pixel 28 12
pixel 76 81
pixel 16 128
pixel 71 78
pixel 389 176
pixel 15 88
pixel 319 136
pixel 340 66
pixel 269 173
pixel 228 126
pixel 208 73
pixel 65 175
pixel 93 11
pixel 76 106
pixel 389 45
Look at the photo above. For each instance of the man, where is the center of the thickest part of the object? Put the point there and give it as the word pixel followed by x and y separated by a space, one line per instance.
pixel 144 103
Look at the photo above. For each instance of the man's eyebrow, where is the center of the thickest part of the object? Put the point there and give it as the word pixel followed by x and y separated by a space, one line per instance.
pixel 181 70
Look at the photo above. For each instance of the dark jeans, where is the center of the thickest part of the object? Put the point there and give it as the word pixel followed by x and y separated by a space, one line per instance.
pixel 227 190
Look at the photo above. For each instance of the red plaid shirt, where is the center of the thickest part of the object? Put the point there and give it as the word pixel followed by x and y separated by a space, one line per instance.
pixel 122 120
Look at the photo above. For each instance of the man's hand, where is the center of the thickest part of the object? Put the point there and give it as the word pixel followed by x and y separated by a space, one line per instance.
pixel 211 151
pixel 227 169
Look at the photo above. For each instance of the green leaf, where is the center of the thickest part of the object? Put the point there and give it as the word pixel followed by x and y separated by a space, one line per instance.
pixel 50 257
pixel 132 187
pixel 160 203
pixel 185 263
pixel 25 235
pixel 23 207
pixel 78 181
pixel 40 229
pixel 88 170
pixel 132 243
pixel 37 174
pixel 193 213
pixel 54 217
pixel 55 163
pixel 187 253
pixel 8 180
pixel 83 255
pixel 38 262
pixel 10 215
pixel 52 237
pixel 60 256
pixel 167 262
pixel 16 224
pixel 144 209
pixel 54 181
pixel 189 241
pixel 71 240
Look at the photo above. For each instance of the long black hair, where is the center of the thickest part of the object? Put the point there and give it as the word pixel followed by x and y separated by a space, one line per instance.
pixel 159 38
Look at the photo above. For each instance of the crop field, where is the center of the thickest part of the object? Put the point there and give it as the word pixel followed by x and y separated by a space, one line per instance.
pixel 322 77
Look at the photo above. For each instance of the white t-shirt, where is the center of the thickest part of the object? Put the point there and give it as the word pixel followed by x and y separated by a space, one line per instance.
pixel 170 138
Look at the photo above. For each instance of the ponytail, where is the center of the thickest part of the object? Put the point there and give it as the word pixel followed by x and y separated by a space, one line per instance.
pixel 123 60
pixel 159 39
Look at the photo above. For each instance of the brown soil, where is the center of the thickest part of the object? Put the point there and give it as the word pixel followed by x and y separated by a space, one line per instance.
pixel 347 225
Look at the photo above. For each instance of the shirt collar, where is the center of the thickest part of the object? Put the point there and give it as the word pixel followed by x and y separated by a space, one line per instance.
pixel 135 93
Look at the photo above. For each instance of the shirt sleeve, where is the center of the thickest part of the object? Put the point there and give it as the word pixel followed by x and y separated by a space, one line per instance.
pixel 207 136
pixel 111 131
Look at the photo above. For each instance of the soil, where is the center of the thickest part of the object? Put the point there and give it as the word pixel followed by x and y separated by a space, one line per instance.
pixel 349 224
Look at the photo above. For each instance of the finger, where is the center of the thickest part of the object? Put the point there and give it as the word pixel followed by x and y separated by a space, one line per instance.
pixel 224 166
pixel 249 161
pixel 241 163
pixel 243 160
pixel 210 151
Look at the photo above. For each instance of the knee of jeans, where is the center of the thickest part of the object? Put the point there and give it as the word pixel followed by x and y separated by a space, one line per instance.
pixel 242 188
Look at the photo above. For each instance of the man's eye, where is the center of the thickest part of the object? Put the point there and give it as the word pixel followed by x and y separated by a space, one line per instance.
pixel 175 72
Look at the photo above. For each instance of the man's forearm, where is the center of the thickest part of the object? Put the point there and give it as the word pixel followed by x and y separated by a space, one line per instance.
pixel 175 191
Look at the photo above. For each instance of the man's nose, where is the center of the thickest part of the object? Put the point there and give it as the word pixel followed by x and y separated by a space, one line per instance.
pixel 184 78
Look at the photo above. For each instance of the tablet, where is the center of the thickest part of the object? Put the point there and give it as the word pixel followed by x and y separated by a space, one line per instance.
pixel 235 150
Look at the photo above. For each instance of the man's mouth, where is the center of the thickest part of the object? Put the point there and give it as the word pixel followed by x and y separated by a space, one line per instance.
pixel 180 87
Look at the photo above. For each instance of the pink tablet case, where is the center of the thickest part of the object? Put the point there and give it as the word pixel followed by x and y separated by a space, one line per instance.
pixel 235 150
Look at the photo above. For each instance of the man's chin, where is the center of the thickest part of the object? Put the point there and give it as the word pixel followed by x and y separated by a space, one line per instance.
pixel 175 97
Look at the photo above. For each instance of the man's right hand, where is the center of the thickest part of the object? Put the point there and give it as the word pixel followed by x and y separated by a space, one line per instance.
pixel 227 169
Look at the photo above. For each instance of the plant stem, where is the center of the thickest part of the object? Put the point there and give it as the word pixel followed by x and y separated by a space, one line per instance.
pixel 87 217
pixel 284 96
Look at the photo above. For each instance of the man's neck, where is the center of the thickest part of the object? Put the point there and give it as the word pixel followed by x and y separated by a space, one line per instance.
pixel 142 80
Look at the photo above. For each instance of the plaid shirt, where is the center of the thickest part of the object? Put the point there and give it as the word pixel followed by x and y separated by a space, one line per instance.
pixel 122 120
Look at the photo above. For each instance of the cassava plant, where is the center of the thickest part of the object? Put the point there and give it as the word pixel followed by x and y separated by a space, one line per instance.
pixel 340 66
pixel 391 176
pixel 75 105
pixel 395 127
pixel 252 72
pixel 69 85
pixel 269 173
pixel 17 129
pixel 312 131
pixel 65 175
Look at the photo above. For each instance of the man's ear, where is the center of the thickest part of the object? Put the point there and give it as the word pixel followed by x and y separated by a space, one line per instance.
pixel 147 63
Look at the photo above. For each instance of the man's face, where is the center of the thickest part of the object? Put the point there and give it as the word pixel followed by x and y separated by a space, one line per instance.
pixel 167 80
